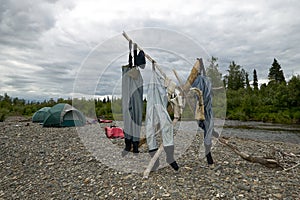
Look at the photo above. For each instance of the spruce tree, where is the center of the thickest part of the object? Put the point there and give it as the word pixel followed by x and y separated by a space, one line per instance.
pixel 247 80
pixel 236 77
pixel 275 73
pixel 212 71
pixel 255 80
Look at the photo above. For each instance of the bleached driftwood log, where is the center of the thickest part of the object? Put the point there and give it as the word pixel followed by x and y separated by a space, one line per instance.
pixel 268 162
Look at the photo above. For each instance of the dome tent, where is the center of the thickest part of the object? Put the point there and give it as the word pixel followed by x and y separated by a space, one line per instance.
pixel 64 115
pixel 40 115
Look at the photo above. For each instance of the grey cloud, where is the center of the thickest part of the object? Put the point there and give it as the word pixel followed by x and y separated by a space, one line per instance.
pixel 18 81
pixel 23 21
pixel 253 38
pixel 251 34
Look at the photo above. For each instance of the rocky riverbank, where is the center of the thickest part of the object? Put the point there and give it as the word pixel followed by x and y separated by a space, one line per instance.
pixel 53 163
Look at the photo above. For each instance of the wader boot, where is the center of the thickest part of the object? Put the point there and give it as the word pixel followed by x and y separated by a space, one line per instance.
pixel 170 157
pixel 209 158
pixel 135 146
pixel 127 148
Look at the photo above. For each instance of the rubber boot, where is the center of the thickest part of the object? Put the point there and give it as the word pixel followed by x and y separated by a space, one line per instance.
pixel 135 146
pixel 170 157
pixel 127 148
pixel 209 158
pixel 156 164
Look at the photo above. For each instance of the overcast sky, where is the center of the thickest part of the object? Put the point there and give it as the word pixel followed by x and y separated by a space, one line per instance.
pixel 47 46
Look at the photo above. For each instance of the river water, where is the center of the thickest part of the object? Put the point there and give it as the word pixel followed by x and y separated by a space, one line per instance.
pixel 262 131
pixel 250 130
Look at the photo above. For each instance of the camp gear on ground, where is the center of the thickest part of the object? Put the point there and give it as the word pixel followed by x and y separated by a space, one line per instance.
pixel 157 117
pixel 64 115
pixel 105 121
pixel 40 115
pixel 114 132
pixel 132 104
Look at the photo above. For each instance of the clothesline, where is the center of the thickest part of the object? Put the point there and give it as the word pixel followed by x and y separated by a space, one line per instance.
pixel 179 103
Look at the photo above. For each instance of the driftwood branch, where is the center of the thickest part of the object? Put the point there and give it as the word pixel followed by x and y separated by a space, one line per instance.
pixel 287 169
pixel 156 156
pixel 268 162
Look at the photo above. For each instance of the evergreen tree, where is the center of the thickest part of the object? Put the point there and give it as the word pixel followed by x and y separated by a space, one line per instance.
pixel 236 77
pixel 247 81
pixel 255 80
pixel 294 92
pixel 7 99
pixel 275 73
pixel 212 71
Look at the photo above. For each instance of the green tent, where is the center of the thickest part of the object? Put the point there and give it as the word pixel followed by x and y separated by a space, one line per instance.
pixel 40 115
pixel 64 115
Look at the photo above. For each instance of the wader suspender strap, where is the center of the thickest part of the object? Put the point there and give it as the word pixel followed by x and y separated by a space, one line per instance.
pixel 130 56
pixel 135 53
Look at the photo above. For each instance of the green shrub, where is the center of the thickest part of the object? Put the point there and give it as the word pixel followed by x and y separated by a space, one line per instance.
pixel 2 117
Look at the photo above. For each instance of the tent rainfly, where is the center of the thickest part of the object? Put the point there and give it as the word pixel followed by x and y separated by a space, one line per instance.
pixel 40 115
pixel 64 115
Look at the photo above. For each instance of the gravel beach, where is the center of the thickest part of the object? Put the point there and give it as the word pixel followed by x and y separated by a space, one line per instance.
pixel 54 163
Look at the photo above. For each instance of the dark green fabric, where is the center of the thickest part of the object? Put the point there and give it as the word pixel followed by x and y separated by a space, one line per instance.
pixel 64 115
pixel 40 115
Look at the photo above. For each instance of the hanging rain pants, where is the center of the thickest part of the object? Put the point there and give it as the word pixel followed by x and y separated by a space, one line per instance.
pixel 132 102
pixel 203 83
pixel 157 116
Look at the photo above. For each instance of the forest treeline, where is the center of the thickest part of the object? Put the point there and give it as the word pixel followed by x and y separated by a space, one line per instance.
pixel 277 101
